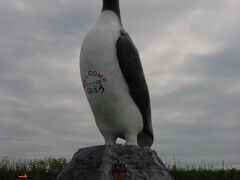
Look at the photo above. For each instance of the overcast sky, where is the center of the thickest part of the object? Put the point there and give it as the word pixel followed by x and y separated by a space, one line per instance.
pixel 190 51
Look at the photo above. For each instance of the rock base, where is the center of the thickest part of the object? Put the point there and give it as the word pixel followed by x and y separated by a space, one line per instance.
pixel 96 163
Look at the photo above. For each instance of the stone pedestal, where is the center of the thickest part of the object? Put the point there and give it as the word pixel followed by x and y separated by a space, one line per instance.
pixel 97 163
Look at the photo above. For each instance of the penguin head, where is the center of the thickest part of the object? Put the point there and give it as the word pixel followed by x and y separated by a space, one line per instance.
pixel 112 5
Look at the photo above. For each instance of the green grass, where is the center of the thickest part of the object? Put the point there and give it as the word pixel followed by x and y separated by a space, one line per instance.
pixel 49 168
pixel 45 169
pixel 205 174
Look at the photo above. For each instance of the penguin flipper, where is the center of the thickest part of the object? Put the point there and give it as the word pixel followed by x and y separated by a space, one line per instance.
pixel 131 67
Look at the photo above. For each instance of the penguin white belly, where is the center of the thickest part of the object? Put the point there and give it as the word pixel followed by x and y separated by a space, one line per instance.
pixel 115 112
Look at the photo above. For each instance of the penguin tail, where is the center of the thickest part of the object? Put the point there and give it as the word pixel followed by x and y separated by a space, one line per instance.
pixel 145 139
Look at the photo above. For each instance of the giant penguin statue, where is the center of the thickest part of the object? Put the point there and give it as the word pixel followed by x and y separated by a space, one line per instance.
pixel 114 81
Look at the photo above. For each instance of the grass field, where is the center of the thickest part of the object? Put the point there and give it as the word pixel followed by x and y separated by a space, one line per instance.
pixel 48 168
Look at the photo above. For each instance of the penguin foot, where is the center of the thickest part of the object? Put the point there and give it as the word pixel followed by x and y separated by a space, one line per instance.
pixel 110 140
pixel 131 140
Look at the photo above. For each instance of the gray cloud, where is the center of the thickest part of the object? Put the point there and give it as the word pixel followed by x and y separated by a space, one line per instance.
pixel 190 56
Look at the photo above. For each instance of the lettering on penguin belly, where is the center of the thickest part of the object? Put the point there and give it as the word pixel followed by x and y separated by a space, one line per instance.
pixel 93 82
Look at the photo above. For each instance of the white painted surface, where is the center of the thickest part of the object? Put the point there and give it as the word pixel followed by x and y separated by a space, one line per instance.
pixel 115 112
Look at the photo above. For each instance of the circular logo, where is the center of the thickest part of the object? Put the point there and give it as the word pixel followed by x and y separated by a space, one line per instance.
pixel 93 82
